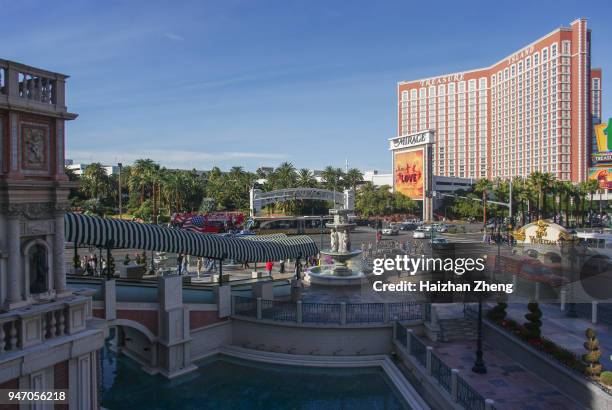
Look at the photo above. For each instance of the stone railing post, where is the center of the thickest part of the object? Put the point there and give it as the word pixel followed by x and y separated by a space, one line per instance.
pixel 489 404
pixel 174 333
pixel 454 375
pixel 343 313
pixel 395 324
pixel 110 299
pixel 259 315
pixel 12 81
pixel 594 311
pixel 298 311
pixel 224 300
pixel 429 352
pixel 433 317
pixel 563 298
pixel 386 313
pixel 409 333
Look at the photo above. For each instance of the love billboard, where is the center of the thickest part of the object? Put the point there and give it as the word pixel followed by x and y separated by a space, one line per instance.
pixel 409 173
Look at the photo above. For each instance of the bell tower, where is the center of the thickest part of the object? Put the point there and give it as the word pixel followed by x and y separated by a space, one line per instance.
pixel 48 339
pixel 33 186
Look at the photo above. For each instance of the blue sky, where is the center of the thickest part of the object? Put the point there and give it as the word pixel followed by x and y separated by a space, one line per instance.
pixel 250 83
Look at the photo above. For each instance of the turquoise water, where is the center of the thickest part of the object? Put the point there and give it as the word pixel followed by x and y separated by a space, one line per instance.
pixel 228 383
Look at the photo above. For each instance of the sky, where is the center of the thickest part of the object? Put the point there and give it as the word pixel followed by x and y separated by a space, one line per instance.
pixel 197 84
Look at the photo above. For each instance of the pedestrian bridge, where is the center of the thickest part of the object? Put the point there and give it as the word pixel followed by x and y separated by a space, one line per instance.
pixel 259 198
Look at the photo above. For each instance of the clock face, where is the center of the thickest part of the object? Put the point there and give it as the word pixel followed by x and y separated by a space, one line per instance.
pixel 34 148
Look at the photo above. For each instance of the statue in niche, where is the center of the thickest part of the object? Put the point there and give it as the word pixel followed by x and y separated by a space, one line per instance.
pixel 39 269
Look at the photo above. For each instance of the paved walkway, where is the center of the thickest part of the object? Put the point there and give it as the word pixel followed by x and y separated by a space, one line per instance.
pixel 511 386
pixel 567 332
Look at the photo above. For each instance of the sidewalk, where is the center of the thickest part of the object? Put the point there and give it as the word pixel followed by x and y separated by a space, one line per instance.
pixel 567 332
pixel 510 385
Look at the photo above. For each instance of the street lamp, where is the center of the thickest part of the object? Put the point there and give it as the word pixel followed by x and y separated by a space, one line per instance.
pixel 571 309
pixel 479 364
pixel 120 165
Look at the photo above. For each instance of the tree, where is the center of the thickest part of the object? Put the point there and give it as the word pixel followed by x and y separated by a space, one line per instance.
pixel 373 201
pixel 541 183
pixel 534 323
pixel 591 358
pixel 352 178
pixel 305 179
pixel 483 186
pixel 332 178
pixel 95 182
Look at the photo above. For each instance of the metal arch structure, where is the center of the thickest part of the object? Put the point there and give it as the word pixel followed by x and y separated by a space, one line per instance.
pixel 259 198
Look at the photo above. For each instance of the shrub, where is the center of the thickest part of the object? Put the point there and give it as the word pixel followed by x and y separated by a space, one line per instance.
pixel 591 358
pixel 606 378
pixel 498 313
pixel 533 326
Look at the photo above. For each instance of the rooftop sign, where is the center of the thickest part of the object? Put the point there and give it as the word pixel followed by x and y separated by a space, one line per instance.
pixel 411 140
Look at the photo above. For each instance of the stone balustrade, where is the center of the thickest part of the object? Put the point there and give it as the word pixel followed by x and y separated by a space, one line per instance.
pixel 19 82
pixel 23 328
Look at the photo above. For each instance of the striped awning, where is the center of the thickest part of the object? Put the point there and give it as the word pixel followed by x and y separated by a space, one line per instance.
pixel 119 234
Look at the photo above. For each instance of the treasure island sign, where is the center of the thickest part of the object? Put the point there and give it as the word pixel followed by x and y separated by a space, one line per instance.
pixel 542 233
pixel 412 167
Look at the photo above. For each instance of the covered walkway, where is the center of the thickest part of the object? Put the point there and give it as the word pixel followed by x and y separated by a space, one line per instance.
pixel 118 234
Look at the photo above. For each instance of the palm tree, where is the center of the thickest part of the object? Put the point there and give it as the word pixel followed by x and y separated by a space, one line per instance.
pixel 482 187
pixel 353 178
pixel 95 182
pixel 541 182
pixel 305 179
pixel 591 187
pixel 284 176
pixel 332 177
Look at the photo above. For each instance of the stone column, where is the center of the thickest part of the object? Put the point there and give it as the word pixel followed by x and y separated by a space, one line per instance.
pixel 14 295
pixel 59 265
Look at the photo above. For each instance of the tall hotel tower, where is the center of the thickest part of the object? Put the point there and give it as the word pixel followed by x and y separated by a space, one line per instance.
pixel 531 111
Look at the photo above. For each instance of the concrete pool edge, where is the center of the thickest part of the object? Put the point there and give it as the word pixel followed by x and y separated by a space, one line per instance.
pixel 402 386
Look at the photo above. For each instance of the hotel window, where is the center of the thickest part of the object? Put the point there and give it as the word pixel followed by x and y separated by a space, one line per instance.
pixel 506 74
pixel 553 50
pixel 536 59
pixel 413 94
pixel 528 63
pixel 566 47
pixel 545 54
pixel 520 67
pixel 513 70
pixel 404 95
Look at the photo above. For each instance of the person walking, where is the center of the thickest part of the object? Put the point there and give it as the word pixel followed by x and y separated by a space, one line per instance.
pixel 179 263
pixel 282 266
pixel 269 266
pixel 199 264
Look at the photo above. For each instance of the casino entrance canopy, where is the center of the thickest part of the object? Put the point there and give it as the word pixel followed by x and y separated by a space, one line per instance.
pixel 115 233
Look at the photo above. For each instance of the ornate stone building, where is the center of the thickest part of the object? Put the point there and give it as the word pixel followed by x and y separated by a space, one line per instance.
pixel 47 340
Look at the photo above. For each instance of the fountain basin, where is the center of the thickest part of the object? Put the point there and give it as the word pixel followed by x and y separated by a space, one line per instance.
pixel 328 275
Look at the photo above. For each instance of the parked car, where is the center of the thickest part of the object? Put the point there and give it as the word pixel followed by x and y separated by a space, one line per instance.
pixel 441 228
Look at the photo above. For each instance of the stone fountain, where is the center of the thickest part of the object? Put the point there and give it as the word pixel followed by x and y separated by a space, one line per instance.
pixel 338 273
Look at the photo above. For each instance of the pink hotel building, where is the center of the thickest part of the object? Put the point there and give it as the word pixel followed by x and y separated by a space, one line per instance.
pixel 531 111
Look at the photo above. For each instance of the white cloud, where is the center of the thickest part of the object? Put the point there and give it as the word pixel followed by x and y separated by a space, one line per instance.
pixel 173 36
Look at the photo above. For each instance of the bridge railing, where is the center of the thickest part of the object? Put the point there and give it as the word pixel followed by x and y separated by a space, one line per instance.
pixel 352 314
pixel 449 381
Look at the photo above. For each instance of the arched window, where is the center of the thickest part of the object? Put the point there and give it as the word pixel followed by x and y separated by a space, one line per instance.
pixel 38 267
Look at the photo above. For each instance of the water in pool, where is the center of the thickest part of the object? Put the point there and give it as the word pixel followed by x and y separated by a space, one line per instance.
pixel 228 383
